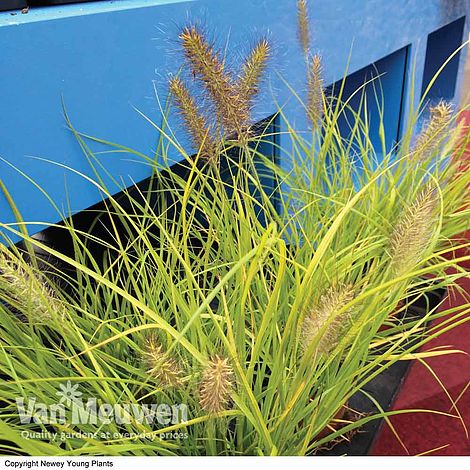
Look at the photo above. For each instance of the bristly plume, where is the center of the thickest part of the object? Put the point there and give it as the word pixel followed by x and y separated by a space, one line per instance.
pixel 323 318
pixel 24 292
pixel 195 122
pixel 315 91
pixel 413 231
pixel 216 385
pixel 164 368
pixel 434 132
pixel 252 70
pixel 303 26
pixel 230 109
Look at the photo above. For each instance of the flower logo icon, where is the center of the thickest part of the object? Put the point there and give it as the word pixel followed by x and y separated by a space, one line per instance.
pixel 69 393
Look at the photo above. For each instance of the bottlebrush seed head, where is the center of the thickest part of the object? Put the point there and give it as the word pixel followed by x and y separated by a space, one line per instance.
pixel 162 367
pixel 216 385
pixel 315 91
pixel 194 121
pixel 30 297
pixel 434 132
pixel 231 110
pixel 303 31
pixel 252 70
pixel 325 312
pixel 413 231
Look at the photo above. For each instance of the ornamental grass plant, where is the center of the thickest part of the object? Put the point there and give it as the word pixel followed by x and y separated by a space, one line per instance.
pixel 251 296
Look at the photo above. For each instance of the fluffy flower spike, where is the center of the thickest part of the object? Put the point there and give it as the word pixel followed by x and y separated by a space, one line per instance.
pixel 195 122
pixel 253 69
pixel 303 26
pixel 325 312
pixel 413 230
pixel 434 132
pixel 216 384
pixel 315 91
pixel 231 110
pixel 25 292
pixel 162 367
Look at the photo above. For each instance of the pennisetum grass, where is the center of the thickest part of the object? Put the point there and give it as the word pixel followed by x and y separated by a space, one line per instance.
pixel 252 71
pixel 413 231
pixel 315 91
pixel 326 322
pixel 314 102
pixel 264 327
pixel 303 26
pixel 434 131
pixel 25 291
pixel 161 365
pixel 194 121
pixel 216 385
pixel 232 99
pixel 230 107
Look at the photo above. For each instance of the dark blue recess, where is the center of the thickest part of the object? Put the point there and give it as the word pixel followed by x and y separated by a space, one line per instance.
pixel 6 5
pixel 383 91
pixel 440 45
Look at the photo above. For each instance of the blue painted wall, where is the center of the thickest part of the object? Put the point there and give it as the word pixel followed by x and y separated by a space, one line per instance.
pixel 107 58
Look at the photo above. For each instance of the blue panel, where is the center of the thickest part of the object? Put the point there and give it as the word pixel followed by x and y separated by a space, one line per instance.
pixel 102 65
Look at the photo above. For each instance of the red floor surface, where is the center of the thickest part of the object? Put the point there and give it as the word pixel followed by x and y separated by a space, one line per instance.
pixel 423 432
pixel 432 433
